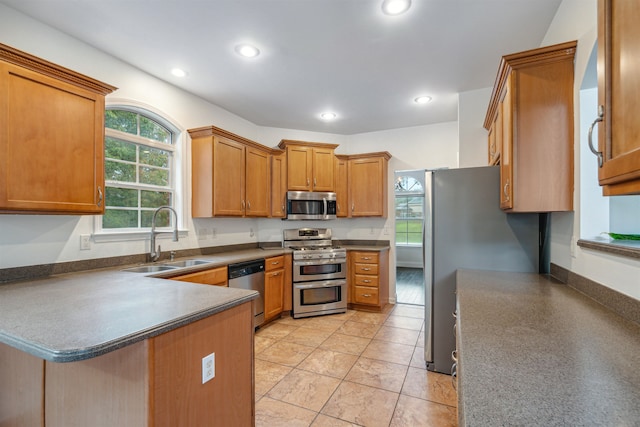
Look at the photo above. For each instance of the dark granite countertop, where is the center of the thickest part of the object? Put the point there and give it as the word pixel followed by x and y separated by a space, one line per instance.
pixel 78 316
pixel 533 351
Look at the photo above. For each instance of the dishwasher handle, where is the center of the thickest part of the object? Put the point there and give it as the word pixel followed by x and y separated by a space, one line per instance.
pixel 245 268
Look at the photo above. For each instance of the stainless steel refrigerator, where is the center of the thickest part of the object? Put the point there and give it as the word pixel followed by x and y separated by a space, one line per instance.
pixel 464 227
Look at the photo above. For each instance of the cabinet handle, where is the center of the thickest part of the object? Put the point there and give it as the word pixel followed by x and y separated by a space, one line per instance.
pixel 368 269
pixel 366 295
pixel 99 196
pixel 243 205
pixel 366 258
pixel 282 208
pixel 275 263
pixel 454 375
pixel 454 356
pixel 276 273
pixel 249 205
pixel 505 190
pixel 315 182
pixel 307 182
pixel 598 119
pixel 353 207
pixel 338 207
pixel 366 281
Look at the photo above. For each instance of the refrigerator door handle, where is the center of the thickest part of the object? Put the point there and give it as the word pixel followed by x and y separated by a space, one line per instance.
pixel 427 260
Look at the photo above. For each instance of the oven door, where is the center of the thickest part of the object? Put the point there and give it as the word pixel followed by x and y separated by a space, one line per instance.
pixel 317 298
pixel 319 269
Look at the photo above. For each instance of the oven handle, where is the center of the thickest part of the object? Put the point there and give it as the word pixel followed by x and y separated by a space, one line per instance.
pixel 320 261
pixel 325 284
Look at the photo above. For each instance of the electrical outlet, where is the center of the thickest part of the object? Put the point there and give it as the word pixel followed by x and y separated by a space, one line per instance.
pixel 208 367
pixel 85 242
pixel 251 233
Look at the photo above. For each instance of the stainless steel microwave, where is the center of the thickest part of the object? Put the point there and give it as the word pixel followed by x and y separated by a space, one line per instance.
pixel 313 205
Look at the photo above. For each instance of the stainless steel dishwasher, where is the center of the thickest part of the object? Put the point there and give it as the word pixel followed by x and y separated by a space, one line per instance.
pixel 250 275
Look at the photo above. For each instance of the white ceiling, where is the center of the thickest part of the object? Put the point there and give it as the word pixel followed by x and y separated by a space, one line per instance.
pixel 340 55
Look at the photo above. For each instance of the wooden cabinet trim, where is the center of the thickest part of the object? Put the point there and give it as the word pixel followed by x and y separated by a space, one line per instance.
pixel 39 65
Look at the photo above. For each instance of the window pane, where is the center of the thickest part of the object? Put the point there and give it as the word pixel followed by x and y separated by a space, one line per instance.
pixel 414 238
pixel 414 226
pixel 116 171
pixel 154 157
pixel 155 199
pixel 401 238
pixel 116 218
pixel 162 219
pixel 119 150
pixel 154 176
pixel 123 197
pixel 152 130
pixel 124 121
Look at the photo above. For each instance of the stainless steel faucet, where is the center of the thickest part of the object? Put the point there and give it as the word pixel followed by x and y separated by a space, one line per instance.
pixel 153 254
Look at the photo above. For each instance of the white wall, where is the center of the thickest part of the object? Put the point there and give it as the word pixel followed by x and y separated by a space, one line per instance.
pixel 472 108
pixel 577 20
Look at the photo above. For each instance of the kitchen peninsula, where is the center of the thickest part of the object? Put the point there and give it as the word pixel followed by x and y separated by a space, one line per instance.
pixel 110 347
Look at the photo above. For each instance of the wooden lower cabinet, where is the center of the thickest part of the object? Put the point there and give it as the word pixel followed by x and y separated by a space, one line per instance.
pixel 369 279
pixel 155 382
pixel 274 283
pixel 215 276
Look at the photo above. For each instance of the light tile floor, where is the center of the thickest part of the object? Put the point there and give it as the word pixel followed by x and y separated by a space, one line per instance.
pixel 352 369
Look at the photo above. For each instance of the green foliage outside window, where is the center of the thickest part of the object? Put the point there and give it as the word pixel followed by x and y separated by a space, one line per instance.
pixel 138 176
pixel 409 205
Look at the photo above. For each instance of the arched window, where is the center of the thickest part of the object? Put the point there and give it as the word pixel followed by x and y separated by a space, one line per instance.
pixel 139 169
pixel 409 203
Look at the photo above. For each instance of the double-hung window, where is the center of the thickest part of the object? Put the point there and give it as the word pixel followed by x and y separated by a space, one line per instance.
pixel 139 170
pixel 409 204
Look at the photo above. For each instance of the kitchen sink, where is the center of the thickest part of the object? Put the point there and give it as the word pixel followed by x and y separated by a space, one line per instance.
pixel 150 268
pixel 186 263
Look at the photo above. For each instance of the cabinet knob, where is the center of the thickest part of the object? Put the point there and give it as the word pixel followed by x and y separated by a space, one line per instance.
pixel 597 120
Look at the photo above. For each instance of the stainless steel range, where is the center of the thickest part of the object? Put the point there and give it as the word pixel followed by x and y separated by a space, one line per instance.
pixel 319 272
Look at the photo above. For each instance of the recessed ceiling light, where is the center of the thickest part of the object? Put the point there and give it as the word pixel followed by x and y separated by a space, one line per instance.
pixel 422 100
pixel 395 7
pixel 328 116
pixel 178 72
pixel 247 50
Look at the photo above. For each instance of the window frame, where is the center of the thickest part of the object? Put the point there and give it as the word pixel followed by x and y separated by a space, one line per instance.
pixel 176 169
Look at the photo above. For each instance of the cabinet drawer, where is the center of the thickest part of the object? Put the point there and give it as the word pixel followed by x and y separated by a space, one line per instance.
pixel 216 276
pixel 366 257
pixel 274 263
pixel 363 280
pixel 366 295
pixel 366 269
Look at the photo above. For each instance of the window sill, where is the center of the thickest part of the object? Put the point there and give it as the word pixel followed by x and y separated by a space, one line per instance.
pixel 408 245
pixel 628 248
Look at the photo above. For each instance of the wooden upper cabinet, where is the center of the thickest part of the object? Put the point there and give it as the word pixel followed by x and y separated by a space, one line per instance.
pixel 368 184
pixel 231 175
pixel 533 94
pixel 258 183
pixel 310 165
pixel 278 184
pixel 618 88
pixel 51 137
pixel 342 186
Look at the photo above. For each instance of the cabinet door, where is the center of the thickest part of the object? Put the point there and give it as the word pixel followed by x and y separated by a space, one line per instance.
pixel 323 169
pixel 273 293
pixel 367 187
pixel 299 168
pixel 278 186
pixel 342 189
pixel 258 183
pixel 228 177
pixel 51 144
pixel 618 88
pixel 504 123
